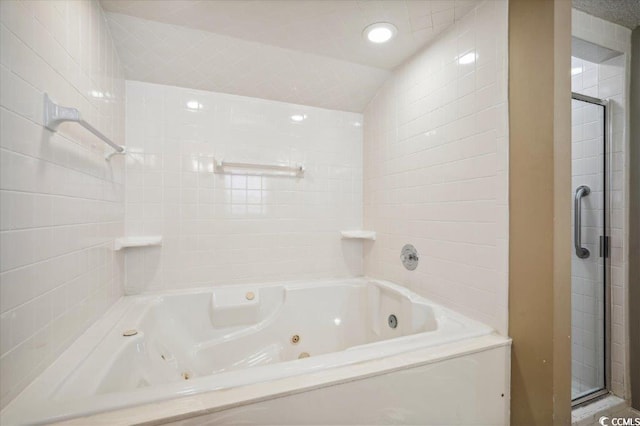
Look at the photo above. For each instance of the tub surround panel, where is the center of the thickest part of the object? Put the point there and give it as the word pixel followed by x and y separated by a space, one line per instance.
pixel 436 168
pixel 492 352
pixel 341 327
pixel 225 228
pixel 390 398
pixel 62 204
pixel 610 80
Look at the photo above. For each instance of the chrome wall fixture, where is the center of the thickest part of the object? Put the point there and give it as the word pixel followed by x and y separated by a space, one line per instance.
pixel 409 257
pixel 55 114
pixel 581 191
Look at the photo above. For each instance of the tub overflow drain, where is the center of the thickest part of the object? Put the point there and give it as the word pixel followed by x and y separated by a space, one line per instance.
pixel 295 339
pixel 128 333
pixel 393 321
pixel 304 355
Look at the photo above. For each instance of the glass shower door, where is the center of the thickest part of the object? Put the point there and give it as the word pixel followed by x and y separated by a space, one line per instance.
pixel 588 266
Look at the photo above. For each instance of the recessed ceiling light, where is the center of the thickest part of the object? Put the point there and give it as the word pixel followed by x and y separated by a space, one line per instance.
pixel 380 32
pixel 298 117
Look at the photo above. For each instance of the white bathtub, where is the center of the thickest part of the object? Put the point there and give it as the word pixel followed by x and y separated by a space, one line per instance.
pixel 208 341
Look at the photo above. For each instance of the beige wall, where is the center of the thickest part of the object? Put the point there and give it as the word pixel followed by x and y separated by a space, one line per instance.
pixel 539 210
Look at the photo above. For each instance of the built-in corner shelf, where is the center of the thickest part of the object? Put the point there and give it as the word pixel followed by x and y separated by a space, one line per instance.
pixel 142 241
pixel 360 235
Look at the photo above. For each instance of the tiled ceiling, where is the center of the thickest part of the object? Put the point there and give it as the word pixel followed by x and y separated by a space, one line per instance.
pixel 307 51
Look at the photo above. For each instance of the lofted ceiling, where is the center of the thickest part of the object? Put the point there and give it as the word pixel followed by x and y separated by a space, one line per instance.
pixel 310 52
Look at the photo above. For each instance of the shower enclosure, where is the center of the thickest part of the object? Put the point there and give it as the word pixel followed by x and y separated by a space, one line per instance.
pixel 589 267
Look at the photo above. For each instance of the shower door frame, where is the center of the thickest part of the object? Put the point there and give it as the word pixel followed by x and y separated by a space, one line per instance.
pixel 604 251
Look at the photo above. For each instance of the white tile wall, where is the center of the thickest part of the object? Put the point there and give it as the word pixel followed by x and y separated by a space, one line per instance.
pixel 62 204
pixel 223 229
pixel 612 79
pixel 599 31
pixel 436 169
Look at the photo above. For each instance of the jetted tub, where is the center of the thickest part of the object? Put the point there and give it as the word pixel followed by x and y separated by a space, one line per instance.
pixel 154 347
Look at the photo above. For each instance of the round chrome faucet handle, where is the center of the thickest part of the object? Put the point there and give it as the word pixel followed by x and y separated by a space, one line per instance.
pixel 409 257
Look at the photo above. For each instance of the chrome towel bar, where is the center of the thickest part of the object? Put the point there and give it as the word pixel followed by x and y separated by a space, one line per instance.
pixel 251 168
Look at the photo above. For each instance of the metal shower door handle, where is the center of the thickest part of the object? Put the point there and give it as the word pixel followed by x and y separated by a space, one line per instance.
pixel 581 191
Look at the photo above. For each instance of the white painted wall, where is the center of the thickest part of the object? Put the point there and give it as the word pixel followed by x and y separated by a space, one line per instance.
pixel 222 229
pixel 62 204
pixel 436 169
pixel 612 82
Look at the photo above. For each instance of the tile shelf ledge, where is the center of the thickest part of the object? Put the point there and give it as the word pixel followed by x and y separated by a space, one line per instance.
pixel 360 235
pixel 141 241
